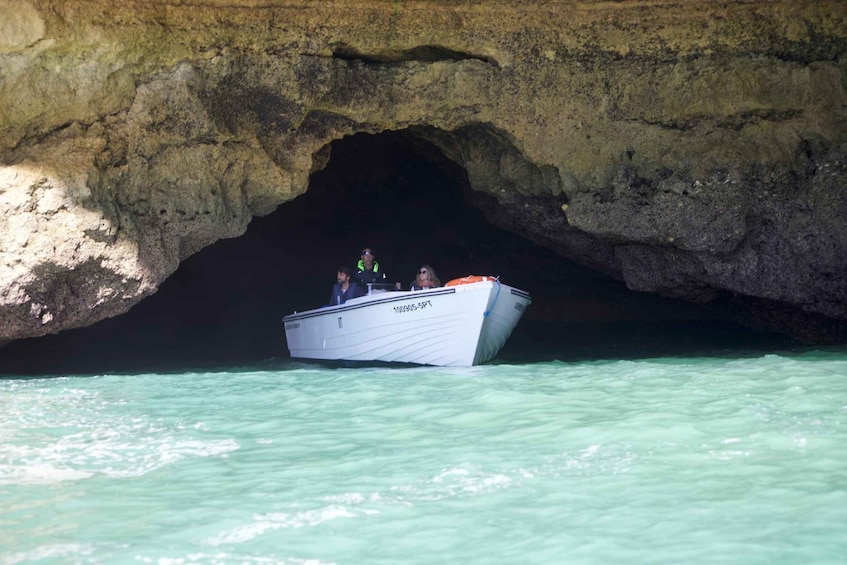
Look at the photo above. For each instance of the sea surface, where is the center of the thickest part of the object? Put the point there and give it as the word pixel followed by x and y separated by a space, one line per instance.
pixel 724 458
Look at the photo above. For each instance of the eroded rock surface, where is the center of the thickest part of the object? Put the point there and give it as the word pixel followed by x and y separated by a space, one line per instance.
pixel 697 150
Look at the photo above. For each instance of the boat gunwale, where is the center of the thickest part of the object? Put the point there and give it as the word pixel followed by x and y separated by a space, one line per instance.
pixel 379 300
pixel 521 293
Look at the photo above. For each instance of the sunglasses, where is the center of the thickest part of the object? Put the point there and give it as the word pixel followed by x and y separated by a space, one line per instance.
pixel 367 252
pixel 422 272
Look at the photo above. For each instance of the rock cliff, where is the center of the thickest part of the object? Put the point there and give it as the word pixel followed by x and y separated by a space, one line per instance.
pixel 695 149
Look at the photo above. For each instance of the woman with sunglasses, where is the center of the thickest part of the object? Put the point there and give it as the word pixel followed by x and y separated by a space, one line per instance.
pixel 426 279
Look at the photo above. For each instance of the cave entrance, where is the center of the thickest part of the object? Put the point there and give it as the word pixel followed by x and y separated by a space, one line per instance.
pixel 399 195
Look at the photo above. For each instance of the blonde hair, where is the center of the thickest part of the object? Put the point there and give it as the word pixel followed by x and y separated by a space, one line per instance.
pixel 429 273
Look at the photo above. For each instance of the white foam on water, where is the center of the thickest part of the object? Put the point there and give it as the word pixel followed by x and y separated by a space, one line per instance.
pixel 269 522
pixel 67 552
pixel 224 558
pixel 39 474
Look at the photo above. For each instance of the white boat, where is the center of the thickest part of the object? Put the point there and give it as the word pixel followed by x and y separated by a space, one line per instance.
pixel 461 324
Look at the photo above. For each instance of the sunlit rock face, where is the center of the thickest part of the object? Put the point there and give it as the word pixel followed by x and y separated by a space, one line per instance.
pixel 693 149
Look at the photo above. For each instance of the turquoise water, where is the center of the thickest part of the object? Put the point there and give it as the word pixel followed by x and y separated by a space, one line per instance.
pixel 666 460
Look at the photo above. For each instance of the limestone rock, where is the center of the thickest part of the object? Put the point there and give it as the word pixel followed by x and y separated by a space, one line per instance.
pixel 694 149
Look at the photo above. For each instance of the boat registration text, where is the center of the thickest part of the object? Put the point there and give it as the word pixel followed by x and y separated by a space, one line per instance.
pixel 412 307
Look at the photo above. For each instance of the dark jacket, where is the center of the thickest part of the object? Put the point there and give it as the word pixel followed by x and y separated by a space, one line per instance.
pixel 339 296
pixel 364 277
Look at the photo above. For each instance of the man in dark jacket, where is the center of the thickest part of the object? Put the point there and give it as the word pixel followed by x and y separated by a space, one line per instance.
pixel 345 288
pixel 368 270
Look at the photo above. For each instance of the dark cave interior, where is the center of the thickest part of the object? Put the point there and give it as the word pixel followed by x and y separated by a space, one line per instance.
pixel 400 196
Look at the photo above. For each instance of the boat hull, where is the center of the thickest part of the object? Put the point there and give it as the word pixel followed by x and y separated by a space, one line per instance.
pixel 456 326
